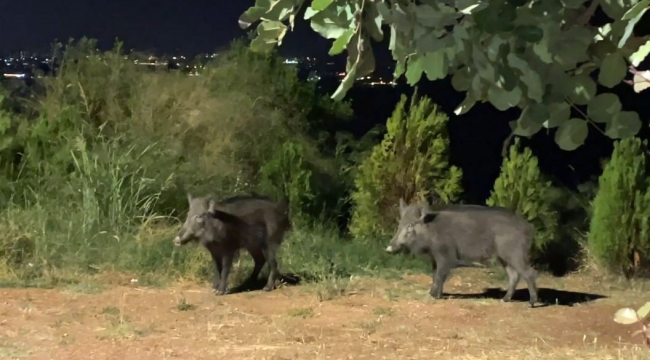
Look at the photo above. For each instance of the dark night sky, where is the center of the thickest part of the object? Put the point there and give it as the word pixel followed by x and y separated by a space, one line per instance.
pixel 164 25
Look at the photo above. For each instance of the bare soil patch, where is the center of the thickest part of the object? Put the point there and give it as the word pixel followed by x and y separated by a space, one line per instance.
pixel 362 319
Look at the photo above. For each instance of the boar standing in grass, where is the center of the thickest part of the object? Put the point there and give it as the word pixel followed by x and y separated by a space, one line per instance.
pixel 458 235
pixel 254 223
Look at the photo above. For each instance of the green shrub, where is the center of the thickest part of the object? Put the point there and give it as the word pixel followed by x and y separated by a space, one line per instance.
pixel 93 179
pixel 619 232
pixel 411 162
pixel 522 188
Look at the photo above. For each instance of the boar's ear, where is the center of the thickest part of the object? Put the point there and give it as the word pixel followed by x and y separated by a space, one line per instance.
pixel 224 216
pixel 212 206
pixel 189 197
pixel 402 206
pixel 428 216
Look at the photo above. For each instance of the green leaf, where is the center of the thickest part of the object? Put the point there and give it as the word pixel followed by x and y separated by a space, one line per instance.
pixel 332 24
pixel 319 5
pixel 570 46
pixel 495 47
pixel 571 134
pixel 612 70
pixel 604 107
pixel 502 99
pixel 638 56
pixel 359 63
pixel 372 21
pixel 529 77
pixel 573 4
pixel 526 125
pixel 280 10
pixel 496 17
pixel 629 28
pixel 635 10
pixel 485 69
pixel 309 13
pixel 625 124
pixel 465 105
pixel 473 8
pixel 340 43
pixel 529 33
pixel 435 65
pixel 269 33
pixel 558 113
pixel 462 79
pixel 250 16
pixel 626 316
pixel 414 69
pixel 583 89
pixel 643 310
pixel 346 84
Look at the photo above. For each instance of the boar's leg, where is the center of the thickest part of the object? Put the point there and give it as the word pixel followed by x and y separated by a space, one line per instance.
pixel 270 254
pixel 528 273
pixel 259 259
pixel 513 280
pixel 442 267
pixel 218 266
pixel 226 261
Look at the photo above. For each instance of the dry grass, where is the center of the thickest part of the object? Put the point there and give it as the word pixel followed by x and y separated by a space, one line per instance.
pixel 130 322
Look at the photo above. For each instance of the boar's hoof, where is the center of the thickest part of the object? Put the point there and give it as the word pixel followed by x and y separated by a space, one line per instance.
pixel 221 292
pixel 390 249
pixel 267 288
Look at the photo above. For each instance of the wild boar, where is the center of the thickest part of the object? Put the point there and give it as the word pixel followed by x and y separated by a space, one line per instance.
pixel 254 223
pixel 458 235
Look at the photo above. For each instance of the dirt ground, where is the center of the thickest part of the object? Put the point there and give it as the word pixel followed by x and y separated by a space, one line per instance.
pixel 359 319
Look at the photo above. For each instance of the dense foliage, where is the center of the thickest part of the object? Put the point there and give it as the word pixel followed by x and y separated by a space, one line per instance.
pixel 411 162
pixel 94 169
pixel 620 228
pixel 539 56
pixel 522 188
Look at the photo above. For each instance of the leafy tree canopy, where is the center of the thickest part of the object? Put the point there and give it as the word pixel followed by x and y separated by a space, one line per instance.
pixel 537 55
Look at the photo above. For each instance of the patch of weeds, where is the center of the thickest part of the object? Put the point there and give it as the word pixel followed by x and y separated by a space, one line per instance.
pixel 153 281
pixel 301 312
pixel 331 288
pixel 368 327
pixel 86 288
pixel 71 317
pixel 111 310
pixel 383 311
pixel 183 305
pixel 12 352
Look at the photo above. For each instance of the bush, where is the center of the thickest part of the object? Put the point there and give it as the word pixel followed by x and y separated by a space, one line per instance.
pixel 521 188
pixel 619 231
pixel 93 178
pixel 411 163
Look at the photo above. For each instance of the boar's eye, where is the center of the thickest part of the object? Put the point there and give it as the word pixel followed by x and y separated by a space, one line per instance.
pixel 198 219
pixel 409 227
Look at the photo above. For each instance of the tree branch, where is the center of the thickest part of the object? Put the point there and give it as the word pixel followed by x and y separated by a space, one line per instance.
pixel 589 12
pixel 506 144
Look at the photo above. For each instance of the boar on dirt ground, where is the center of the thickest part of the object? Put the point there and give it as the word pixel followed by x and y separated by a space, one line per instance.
pixel 458 235
pixel 255 223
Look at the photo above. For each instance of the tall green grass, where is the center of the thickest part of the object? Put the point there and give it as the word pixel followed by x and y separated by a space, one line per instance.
pixel 94 178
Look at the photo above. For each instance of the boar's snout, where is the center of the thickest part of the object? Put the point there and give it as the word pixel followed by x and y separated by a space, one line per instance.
pixel 391 249
pixel 177 241
pixel 394 246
